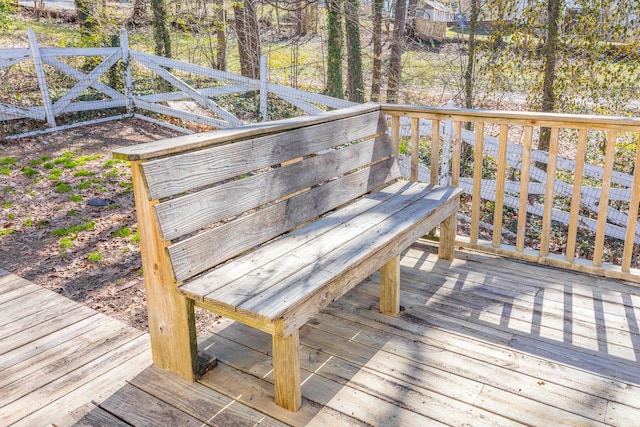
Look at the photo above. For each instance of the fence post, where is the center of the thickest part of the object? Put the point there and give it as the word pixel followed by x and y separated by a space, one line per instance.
pixel 264 88
pixel 126 60
pixel 445 175
pixel 42 80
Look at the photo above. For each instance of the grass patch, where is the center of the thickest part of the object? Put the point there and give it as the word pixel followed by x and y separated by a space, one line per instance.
pixel 7 205
pixel 66 243
pixel 75 198
pixel 8 161
pixel 136 238
pixel 5 170
pixel 122 232
pixel 6 231
pixel 73 212
pixel 94 257
pixel 74 229
pixel 83 172
pixel 27 171
pixel 55 174
pixel 62 187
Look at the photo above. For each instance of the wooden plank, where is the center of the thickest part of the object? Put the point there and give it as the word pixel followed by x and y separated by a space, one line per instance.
pixel 465 358
pixel 622 415
pixel 575 197
pixel 42 79
pixel 363 406
pixel 82 374
pixel 22 306
pixel 196 254
pixel 634 203
pixel 39 318
pixel 75 323
pixel 54 360
pixel 500 179
pixel 207 139
pixel 390 287
pixel 9 281
pixel 415 148
pixel 448 231
pixel 477 183
pixel 179 173
pixel 186 214
pixel 351 263
pixel 127 404
pixel 368 370
pixel 257 393
pixel 171 315
pixel 199 401
pixel 16 289
pixel 573 121
pixel 435 151
pixel 455 154
pixel 246 265
pixel 95 389
pixel 247 284
pixel 610 155
pixel 524 186
pixel 89 415
pixel 15 385
pixel 545 234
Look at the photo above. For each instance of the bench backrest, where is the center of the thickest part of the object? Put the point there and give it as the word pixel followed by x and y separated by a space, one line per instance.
pixel 220 201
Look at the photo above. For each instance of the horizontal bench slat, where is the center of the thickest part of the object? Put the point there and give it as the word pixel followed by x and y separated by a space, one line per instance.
pixel 180 216
pixel 342 264
pixel 258 281
pixel 198 141
pixel 209 248
pixel 174 175
pixel 246 264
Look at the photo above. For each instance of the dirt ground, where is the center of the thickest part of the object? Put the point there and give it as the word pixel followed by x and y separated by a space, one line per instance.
pixel 67 217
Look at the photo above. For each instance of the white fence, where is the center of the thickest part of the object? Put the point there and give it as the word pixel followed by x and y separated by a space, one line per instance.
pixel 190 102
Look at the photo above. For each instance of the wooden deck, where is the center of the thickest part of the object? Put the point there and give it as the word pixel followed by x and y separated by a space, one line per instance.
pixel 481 341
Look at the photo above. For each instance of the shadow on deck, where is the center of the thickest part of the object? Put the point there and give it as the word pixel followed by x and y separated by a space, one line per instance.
pixel 481 341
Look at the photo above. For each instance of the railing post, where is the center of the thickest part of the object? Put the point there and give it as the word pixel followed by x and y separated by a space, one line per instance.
pixel 42 80
pixel 445 176
pixel 126 60
pixel 264 88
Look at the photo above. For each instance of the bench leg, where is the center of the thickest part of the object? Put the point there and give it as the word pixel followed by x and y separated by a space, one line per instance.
pixel 448 230
pixel 286 370
pixel 390 287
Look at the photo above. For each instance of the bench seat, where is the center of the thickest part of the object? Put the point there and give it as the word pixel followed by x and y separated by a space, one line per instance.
pixel 293 277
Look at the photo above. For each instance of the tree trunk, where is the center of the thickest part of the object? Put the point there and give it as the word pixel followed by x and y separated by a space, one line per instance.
pixel 334 49
pixel 549 51
pixel 355 81
pixel 397 44
pixel 471 54
pixel 139 10
pixel 246 22
pixel 161 28
pixel 221 33
pixel 376 76
pixel 411 17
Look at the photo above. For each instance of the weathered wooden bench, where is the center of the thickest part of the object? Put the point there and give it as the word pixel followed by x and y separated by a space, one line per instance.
pixel 268 224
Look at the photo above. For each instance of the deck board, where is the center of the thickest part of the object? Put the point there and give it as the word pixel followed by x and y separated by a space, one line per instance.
pixel 480 341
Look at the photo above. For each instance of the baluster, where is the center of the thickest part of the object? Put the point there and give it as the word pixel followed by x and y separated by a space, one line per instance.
pixel 477 183
pixel 525 168
pixel 435 150
pixel 415 147
pixel 575 196
pixel 500 183
pixel 548 193
pixel 603 207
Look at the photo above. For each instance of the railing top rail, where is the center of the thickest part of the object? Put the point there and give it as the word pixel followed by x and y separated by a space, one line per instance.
pixel 577 121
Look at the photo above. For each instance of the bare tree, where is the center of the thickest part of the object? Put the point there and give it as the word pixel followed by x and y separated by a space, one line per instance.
pixel 376 75
pixel 334 48
pixel 355 81
pixel 246 23
pixel 161 28
pixel 397 44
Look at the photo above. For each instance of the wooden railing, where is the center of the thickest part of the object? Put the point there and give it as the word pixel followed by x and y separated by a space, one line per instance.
pixel 573 206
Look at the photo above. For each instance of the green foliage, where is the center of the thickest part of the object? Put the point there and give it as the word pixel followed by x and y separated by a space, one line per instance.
pixel 7 205
pixel 66 242
pixel 74 229
pixel 8 161
pixel 62 187
pixel 135 239
pixel 6 231
pixel 27 171
pixel 5 8
pixel 94 257
pixel 75 198
pixel 122 232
